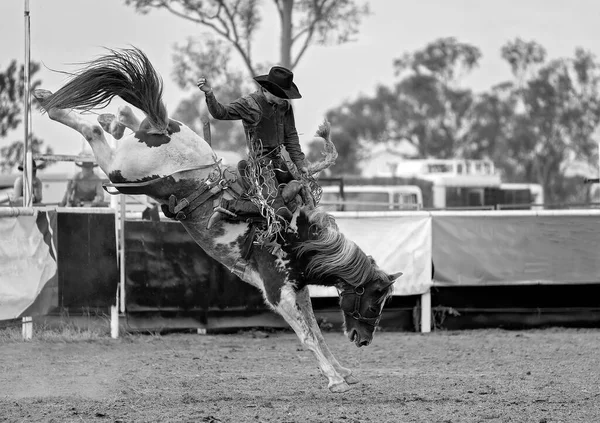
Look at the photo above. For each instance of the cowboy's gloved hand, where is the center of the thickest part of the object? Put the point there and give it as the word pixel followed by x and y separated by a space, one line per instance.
pixel 304 171
pixel 203 85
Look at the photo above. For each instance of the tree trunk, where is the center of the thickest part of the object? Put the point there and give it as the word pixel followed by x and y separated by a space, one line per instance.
pixel 286 33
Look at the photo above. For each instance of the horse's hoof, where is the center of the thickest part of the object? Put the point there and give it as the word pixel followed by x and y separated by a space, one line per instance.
pixel 117 129
pixel 110 124
pixel 105 120
pixel 41 94
pixel 338 388
pixel 350 379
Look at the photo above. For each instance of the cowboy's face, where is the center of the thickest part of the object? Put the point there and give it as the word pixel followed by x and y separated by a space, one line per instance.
pixel 273 98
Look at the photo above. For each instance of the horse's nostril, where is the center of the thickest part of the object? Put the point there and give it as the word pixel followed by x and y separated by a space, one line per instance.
pixel 363 343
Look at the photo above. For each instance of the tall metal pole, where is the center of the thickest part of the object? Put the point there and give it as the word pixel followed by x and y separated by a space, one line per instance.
pixel 27 157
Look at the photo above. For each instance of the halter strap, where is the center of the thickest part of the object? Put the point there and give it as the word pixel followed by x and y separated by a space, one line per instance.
pixel 358 293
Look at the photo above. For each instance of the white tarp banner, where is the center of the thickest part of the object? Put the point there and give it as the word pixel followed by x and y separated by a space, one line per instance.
pixel 397 242
pixel 26 264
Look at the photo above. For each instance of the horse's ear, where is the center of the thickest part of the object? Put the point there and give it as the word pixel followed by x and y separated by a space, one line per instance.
pixel 394 276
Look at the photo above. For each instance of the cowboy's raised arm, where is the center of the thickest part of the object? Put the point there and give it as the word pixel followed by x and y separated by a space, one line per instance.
pixel 244 108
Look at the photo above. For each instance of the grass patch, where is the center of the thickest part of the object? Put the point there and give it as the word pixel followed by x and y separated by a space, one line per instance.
pixel 62 328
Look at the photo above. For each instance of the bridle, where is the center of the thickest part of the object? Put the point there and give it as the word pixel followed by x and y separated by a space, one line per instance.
pixel 358 292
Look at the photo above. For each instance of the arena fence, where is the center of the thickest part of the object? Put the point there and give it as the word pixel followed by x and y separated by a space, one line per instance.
pixel 81 255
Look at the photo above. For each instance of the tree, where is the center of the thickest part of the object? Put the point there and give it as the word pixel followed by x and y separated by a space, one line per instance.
pixel 532 126
pixel 426 107
pixel 234 23
pixel 303 23
pixel 213 58
pixel 12 88
pixel 549 114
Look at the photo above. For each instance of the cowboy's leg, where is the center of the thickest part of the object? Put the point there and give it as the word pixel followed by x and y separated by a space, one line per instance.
pixel 92 132
pixel 282 172
pixel 297 318
pixel 303 300
pixel 241 207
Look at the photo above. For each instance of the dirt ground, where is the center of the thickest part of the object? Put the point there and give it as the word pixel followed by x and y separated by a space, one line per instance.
pixel 539 376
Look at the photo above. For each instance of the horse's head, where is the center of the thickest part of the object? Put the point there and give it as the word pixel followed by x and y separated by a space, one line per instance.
pixel 362 304
pixel 329 258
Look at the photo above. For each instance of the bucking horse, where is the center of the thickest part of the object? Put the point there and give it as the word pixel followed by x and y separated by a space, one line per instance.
pixel 167 161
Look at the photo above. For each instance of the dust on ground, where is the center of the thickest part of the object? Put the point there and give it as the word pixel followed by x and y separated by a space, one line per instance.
pixel 539 376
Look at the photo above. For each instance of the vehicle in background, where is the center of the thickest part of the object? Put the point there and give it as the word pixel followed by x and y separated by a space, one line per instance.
pixel 371 197
pixel 456 184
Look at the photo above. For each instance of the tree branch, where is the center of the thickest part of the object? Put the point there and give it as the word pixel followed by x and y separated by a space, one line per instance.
pixel 279 8
pixel 309 31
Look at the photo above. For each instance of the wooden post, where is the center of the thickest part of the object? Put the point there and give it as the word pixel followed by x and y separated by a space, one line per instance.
pixel 27 157
pixel 114 321
pixel 27 328
pixel 426 312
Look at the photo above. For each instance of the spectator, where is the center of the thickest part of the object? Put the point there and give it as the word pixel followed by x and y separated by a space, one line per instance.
pixel 85 188
pixel 17 198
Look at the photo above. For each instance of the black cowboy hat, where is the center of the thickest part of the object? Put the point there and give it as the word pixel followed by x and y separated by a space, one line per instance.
pixel 85 154
pixel 34 166
pixel 279 82
pixel 81 164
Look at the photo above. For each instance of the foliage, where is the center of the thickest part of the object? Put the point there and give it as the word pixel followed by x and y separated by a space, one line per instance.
pixel 211 59
pixel 232 26
pixel 13 154
pixel 12 88
pixel 303 22
pixel 532 127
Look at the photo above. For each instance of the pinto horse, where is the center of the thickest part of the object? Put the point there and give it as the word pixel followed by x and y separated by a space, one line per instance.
pixel 167 161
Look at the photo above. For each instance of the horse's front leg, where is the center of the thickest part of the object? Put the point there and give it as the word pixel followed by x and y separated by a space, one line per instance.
pixel 292 312
pixel 303 299
pixel 92 132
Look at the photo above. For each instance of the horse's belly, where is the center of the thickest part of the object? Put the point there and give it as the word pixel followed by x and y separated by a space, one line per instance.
pixel 135 160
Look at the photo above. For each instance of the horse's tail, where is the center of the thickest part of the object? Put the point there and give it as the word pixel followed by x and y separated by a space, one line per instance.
pixel 126 73
pixel 330 153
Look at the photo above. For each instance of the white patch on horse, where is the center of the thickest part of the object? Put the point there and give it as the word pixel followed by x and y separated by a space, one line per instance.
pixel 281 261
pixel 253 278
pixel 293 226
pixel 136 160
pixel 233 231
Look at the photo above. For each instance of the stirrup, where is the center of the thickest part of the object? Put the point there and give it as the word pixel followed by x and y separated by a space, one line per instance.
pixel 219 214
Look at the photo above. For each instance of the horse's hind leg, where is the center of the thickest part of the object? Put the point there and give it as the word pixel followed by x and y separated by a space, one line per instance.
pixel 291 312
pixel 303 299
pixel 126 117
pixel 115 125
pixel 92 132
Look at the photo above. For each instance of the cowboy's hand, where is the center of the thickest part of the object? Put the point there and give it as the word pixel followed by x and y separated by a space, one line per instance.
pixel 304 171
pixel 203 85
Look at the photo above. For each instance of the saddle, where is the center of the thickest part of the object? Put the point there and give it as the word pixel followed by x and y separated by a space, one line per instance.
pixel 237 184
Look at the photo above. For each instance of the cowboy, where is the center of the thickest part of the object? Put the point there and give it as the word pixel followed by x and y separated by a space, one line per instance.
pixel 17 196
pixel 269 124
pixel 84 187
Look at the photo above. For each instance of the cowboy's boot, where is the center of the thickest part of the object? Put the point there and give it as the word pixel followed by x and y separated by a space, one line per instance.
pixel 291 190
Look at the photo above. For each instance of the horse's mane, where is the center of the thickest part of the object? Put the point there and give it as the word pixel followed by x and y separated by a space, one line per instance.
pixel 126 73
pixel 332 254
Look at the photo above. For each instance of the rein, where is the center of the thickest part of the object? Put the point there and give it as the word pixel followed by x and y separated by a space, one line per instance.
pixel 358 292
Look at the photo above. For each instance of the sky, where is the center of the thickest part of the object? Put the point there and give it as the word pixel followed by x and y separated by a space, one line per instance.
pixel 64 32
